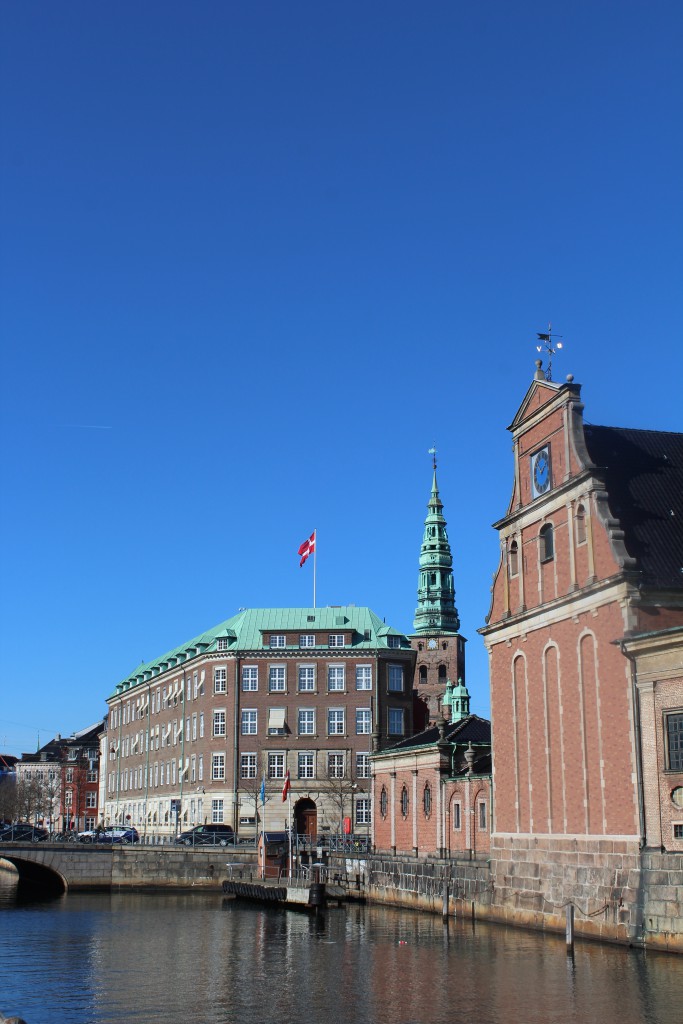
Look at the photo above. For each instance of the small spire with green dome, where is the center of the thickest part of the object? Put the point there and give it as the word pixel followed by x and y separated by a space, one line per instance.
pixel 436 611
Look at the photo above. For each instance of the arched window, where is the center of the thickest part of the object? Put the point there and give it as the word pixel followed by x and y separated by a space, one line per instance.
pixel 423 673
pixel 383 802
pixel 547 546
pixel 404 802
pixel 580 524
pixel 514 559
pixel 427 800
pixel 443 674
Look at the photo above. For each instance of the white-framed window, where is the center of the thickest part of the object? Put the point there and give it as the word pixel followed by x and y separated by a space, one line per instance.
pixel 396 721
pixel 201 725
pixel 306 765
pixel 307 640
pixel 91 799
pixel 396 679
pixel 194 727
pixel 68 798
pixel 201 767
pixel 90 775
pixel 306 722
pixel 277 678
pixel 220 680
pixel 335 677
pixel 363 810
pixel 278 640
pixel 248 766
pixel 306 677
pixel 336 766
pixel 249 722
pixel 335 721
pixel 393 641
pixel 363 677
pixel 216 812
pixel 363 722
pixel 362 766
pixel 218 766
pixel 222 643
pixel 69 774
pixel 250 678
pixel 276 765
pixel 218 723
pixel 457 817
pixel 336 640
pixel 193 768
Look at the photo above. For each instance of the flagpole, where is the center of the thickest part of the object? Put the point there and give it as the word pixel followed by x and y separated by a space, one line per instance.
pixel 289 810
pixel 315 557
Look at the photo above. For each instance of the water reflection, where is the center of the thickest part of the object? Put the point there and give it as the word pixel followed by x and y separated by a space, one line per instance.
pixel 141 957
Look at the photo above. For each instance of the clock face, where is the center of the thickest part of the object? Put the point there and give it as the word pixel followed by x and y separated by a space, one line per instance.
pixel 540 472
pixel 431 644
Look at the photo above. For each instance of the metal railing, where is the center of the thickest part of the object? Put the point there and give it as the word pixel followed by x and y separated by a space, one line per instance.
pixel 333 843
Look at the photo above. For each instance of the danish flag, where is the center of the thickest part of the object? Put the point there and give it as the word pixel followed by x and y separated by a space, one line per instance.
pixel 286 787
pixel 307 548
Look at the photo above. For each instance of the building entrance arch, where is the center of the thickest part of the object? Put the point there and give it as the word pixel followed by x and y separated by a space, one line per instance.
pixel 306 817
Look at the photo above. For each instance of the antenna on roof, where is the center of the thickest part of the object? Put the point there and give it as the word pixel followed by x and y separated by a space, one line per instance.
pixel 547 340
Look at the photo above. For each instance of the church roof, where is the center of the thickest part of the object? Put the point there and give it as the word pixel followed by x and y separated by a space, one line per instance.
pixel 643 471
pixel 471 729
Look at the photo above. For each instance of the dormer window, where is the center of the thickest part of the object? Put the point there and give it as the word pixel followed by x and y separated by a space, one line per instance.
pixel 278 640
pixel 336 640
pixel 394 641
pixel 307 640
pixel 547 543
pixel 222 643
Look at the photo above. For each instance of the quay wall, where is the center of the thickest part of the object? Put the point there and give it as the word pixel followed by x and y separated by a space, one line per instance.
pixel 619 893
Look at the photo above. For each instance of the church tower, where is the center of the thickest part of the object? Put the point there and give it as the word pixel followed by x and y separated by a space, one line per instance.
pixel 437 640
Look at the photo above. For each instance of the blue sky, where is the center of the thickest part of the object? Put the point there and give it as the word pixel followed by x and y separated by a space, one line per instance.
pixel 256 258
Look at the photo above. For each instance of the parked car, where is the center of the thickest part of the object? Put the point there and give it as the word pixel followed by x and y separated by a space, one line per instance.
pixel 89 835
pixel 23 833
pixel 207 835
pixel 118 834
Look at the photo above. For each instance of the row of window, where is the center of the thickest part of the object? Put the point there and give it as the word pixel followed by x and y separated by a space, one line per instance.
pixel 546 541
pixel 334 640
pixel 306 678
pixel 307 765
pixel 306 722
pixel 52 775
pixel 404 804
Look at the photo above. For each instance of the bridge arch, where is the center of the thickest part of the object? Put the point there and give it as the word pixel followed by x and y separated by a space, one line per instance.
pixel 32 872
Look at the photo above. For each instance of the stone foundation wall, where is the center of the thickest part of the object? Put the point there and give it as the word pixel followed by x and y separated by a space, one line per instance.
pixel 620 893
pixel 420 883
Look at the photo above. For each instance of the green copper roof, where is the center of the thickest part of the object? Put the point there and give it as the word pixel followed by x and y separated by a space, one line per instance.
pixel 436 611
pixel 250 629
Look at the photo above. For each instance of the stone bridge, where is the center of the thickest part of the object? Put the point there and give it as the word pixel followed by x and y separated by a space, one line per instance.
pixel 60 867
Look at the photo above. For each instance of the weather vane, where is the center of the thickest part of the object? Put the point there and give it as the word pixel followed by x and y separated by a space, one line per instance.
pixel 547 340
pixel 432 452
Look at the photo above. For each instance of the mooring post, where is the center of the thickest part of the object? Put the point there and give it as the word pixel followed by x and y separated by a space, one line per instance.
pixel 569 912
pixel 444 909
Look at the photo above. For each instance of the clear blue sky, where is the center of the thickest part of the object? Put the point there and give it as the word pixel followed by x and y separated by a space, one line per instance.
pixel 257 257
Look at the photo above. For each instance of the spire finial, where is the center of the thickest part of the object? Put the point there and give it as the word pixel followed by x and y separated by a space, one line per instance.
pixel 547 339
pixel 432 452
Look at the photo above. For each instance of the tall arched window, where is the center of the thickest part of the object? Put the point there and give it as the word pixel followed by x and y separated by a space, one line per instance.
pixel 404 802
pixel 443 674
pixel 427 801
pixel 580 524
pixel 547 546
pixel 423 673
pixel 383 802
pixel 514 559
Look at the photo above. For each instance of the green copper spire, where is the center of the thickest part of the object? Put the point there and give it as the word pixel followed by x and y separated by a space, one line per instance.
pixel 436 611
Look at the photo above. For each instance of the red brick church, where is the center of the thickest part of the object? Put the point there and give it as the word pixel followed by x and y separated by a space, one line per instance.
pixel 585 641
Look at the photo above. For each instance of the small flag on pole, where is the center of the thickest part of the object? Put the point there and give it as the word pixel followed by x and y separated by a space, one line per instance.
pixel 307 548
pixel 263 790
pixel 286 787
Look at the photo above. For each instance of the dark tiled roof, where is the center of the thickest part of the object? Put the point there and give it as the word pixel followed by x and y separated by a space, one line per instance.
pixel 480 766
pixel 643 472
pixel 472 729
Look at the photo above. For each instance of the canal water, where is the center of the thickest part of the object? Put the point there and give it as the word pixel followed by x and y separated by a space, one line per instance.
pixel 90 959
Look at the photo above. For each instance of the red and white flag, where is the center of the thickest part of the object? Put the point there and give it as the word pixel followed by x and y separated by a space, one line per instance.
pixel 286 787
pixel 307 548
